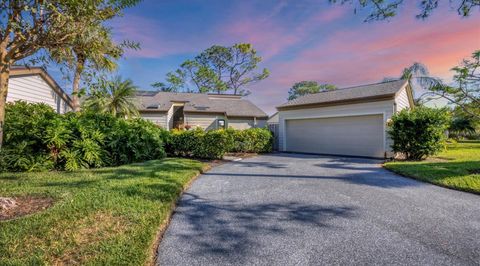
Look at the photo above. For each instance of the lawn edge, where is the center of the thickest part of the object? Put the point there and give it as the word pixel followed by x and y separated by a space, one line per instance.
pixel 153 254
pixel 432 183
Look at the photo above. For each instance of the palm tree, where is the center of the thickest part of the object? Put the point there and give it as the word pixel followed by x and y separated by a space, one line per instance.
pixel 462 126
pixel 419 78
pixel 117 97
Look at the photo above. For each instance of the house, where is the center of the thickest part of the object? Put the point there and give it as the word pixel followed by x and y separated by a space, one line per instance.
pixel 207 111
pixel 350 121
pixel 35 85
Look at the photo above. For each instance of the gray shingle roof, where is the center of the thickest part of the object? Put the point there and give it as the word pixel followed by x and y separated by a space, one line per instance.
pixel 231 105
pixel 388 88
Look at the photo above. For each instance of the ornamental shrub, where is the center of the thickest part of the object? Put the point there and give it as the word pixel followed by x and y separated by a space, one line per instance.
pixel 420 132
pixel 256 140
pixel 197 143
pixel 38 139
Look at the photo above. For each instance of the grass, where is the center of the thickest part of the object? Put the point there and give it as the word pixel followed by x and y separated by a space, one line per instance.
pixel 457 167
pixel 108 216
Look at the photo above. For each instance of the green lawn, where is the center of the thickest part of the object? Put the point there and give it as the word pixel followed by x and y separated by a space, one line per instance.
pixel 108 216
pixel 457 167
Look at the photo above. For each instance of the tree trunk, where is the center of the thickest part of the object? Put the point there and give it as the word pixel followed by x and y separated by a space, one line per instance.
pixel 76 83
pixel 4 75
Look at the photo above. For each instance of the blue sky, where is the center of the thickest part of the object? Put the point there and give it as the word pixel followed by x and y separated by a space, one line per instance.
pixel 298 39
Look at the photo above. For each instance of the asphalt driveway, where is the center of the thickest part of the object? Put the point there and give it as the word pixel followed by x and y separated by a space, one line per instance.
pixel 286 209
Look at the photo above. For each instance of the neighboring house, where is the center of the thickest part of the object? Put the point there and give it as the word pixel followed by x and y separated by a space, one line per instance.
pixel 207 111
pixel 35 85
pixel 350 121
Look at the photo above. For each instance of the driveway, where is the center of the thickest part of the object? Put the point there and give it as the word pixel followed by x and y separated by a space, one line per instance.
pixel 287 209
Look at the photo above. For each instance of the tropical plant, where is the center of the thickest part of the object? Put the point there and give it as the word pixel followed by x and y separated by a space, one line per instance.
pixel 115 97
pixel 461 127
pixel 419 132
pixel 30 26
pixel 308 87
pixel 39 139
pixel 93 49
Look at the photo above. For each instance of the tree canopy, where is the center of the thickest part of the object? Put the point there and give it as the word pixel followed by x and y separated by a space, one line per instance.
pixel 30 26
pixel 308 87
pixel 463 92
pixel 218 69
pixel 385 9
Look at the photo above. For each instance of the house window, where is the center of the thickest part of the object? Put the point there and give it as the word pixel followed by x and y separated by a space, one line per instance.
pixel 221 123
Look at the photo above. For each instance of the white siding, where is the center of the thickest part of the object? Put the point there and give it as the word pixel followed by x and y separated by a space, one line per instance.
pixel 157 118
pixel 34 89
pixel 238 123
pixel 381 107
pixel 402 100
pixel 204 121
pixel 261 123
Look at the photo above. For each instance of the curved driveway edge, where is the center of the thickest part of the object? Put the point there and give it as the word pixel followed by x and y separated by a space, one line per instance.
pixel 290 209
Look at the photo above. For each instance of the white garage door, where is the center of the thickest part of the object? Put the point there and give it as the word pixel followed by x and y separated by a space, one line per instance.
pixel 352 135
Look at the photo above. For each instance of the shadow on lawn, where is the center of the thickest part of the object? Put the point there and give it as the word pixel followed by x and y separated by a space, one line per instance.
pixel 223 228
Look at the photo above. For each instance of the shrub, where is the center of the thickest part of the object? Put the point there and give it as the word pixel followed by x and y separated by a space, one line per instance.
pixel 257 140
pixel 198 143
pixel 26 126
pixel 214 144
pixel 419 132
pixel 37 139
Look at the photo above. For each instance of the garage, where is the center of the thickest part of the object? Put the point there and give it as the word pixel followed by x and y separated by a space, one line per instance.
pixel 348 121
pixel 350 135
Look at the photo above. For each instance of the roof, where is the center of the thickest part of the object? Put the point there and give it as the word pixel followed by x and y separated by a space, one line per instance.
pixel 228 104
pixel 357 93
pixel 20 71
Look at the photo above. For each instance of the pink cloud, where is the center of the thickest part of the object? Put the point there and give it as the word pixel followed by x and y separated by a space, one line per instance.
pixel 371 52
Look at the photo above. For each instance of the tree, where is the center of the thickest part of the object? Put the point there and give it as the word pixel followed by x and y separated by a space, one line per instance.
pixel 461 126
pixel 308 87
pixel 385 9
pixel 219 69
pixel 28 26
pixel 92 49
pixel 419 79
pixel 465 89
pixel 115 97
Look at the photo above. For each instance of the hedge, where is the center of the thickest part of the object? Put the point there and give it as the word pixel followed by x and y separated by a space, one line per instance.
pixel 36 138
pixel 214 144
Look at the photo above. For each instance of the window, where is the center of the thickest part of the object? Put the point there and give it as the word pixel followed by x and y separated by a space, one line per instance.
pixel 221 123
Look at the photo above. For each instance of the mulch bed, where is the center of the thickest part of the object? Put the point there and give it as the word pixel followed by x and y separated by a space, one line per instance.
pixel 24 206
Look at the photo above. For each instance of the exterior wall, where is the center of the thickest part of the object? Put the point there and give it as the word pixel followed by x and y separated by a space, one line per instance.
pixel 273 119
pixel 204 121
pixel 34 89
pixel 261 123
pixel 240 123
pixel 169 119
pixel 159 118
pixel 386 108
pixel 402 100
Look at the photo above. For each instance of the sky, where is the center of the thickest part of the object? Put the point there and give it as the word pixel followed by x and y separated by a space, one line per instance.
pixel 297 39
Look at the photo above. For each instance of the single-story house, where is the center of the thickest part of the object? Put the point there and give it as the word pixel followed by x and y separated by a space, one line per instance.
pixel 207 111
pixel 349 121
pixel 35 85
